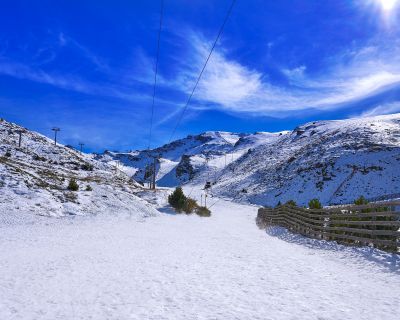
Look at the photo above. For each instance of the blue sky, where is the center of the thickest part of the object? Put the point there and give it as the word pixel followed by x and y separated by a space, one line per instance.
pixel 88 66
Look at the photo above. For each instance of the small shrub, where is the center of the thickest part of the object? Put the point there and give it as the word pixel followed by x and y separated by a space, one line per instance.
pixel 291 203
pixel 70 197
pixel 73 185
pixel 87 167
pixel 177 199
pixel 315 204
pixel 190 205
pixel 361 201
pixel 8 154
pixel 203 212
pixel 88 188
pixel 38 158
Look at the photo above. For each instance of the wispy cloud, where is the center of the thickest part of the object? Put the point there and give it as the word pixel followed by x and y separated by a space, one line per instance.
pixel 97 61
pixel 382 109
pixel 349 77
pixel 227 84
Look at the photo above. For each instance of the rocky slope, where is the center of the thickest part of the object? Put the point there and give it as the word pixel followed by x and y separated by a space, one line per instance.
pixel 35 176
pixel 334 161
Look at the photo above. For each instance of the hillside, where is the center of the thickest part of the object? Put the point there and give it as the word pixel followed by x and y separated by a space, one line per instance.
pixel 335 161
pixel 195 157
pixel 34 179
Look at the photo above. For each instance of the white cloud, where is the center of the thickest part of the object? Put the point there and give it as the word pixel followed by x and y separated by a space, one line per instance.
pixel 67 82
pixel 388 108
pixel 349 77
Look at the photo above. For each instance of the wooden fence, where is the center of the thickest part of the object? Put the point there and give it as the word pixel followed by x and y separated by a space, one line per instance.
pixel 374 224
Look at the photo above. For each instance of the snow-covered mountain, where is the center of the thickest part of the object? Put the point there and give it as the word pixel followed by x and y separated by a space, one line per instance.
pixel 334 161
pixel 35 176
pixel 177 162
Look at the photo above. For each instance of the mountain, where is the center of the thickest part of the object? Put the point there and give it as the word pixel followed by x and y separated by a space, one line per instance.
pixel 334 161
pixel 35 176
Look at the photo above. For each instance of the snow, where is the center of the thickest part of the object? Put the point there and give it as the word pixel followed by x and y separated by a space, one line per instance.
pixel 34 179
pixel 187 267
pixel 334 161
pixel 119 251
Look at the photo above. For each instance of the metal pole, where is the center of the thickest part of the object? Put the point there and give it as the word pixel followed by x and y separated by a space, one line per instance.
pixel 154 173
pixel 20 139
pixel 55 129
pixel 225 160
pixel 81 145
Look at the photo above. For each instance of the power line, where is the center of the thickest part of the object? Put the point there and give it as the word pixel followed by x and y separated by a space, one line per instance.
pixel 202 70
pixel 155 72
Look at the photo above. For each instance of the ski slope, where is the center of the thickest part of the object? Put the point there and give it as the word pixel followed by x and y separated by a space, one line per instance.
pixel 186 267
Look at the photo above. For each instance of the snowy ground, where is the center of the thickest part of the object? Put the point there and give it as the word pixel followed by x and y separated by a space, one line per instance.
pixel 187 267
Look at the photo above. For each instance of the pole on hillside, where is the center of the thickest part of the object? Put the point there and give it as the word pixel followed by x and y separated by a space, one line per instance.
pixel 55 129
pixel 225 159
pixel 154 173
pixel 20 138
pixel 81 145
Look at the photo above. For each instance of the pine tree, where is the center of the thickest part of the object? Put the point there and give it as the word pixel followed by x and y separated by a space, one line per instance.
pixel 73 185
pixel 315 204
pixel 177 199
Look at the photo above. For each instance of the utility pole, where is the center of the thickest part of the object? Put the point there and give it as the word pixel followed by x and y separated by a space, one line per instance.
pixel 20 138
pixel 154 173
pixel 81 145
pixel 225 159
pixel 55 129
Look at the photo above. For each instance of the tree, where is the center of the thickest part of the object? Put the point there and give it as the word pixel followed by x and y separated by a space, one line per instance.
pixel 315 204
pixel 291 203
pixel 360 201
pixel 73 185
pixel 177 199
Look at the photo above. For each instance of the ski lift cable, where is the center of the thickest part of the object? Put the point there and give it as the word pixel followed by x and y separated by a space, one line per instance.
pixel 202 70
pixel 156 72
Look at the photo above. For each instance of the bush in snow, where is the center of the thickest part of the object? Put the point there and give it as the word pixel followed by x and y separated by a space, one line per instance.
pixel 315 204
pixel 8 154
pixel 291 203
pixel 177 199
pixel 88 188
pixel 38 158
pixel 87 167
pixel 190 205
pixel 73 185
pixel 361 201
pixel 203 212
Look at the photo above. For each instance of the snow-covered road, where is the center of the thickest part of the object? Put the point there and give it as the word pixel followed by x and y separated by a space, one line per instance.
pixel 186 267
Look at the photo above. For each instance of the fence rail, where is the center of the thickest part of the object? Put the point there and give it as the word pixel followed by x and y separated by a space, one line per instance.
pixel 374 224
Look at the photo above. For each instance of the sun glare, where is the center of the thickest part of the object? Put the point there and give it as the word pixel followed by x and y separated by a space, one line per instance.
pixel 388 5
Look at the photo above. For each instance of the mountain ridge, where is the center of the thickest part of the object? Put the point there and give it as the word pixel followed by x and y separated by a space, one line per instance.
pixel 250 166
